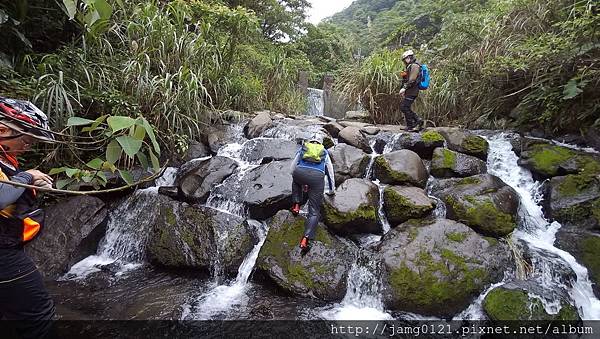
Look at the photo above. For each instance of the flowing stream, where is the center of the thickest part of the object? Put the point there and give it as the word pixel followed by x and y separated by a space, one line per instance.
pixel 316 102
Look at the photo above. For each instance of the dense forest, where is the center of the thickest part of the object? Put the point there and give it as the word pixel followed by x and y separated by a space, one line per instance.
pixel 175 67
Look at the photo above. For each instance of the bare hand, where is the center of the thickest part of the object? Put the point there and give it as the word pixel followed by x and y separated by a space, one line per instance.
pixel 40 178
pixel 42 183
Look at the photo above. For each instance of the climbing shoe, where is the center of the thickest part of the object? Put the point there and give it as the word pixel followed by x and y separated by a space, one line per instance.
pixel 418 127
pixel 304 243
pixel 295 209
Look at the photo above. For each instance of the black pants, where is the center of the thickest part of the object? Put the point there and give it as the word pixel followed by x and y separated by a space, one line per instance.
pixel 411 118
pixel 316 185
pixel 28 307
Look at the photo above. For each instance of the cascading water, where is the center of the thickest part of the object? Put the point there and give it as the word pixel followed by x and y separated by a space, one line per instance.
pixel 536 231
pixel 215 303
pixel 316 102
pixel 125 237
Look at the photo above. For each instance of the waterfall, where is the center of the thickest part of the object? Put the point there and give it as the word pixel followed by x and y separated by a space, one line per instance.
pixel 537 232
pixel 217 301
pixel 126 234
pixel 316 102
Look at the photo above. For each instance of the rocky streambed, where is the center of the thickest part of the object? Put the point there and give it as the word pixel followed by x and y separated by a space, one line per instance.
pixel 446 223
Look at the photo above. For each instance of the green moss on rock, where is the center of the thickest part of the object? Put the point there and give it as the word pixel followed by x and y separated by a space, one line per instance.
pixel 476 145
pixel 469 181
pixel 436 282
pixel 399 208
pixel 384 172
pixel 590 248
pixel 363 213
pixel 432 136
pixel 457 236
pixel 574 184
pixel 483 216
pixel 503 304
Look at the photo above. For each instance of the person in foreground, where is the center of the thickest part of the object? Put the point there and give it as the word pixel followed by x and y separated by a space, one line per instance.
pixel 309 167
pixel 23 297
pixel 410 91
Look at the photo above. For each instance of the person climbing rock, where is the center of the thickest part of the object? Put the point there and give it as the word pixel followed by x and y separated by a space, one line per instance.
pixel 23 297
pixel 309 169
pixel 410 91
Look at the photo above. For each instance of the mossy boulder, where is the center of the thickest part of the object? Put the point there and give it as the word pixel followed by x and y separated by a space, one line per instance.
pixel 575 200
pixel 437 267
pixel 547 160
pixel 353 209
pixel 585 247
pixel 483 202
pixel 403 167
pixel 464 141
pixel 196 178
pixel 421 143
pixel 185 236
pixel 353 136
pixel 448 164
pixel 348 162
pixel 320 273
pixel 402 203
pixel 521 301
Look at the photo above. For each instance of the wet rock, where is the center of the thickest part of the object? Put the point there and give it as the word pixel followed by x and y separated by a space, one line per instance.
pixel 421 143
pixel 402 203
pixel 353 136
pixel 258 125
pixel 348 162
pixel 483 202
pixel 400 167
pixel 370 130
pixel 358 115
pixel 269 149
pixel 169 191
pixel 197 150
pixel 196 178
pixel 592 137
pixel 333 128
pixel 575 200
pixel 585 247
pixel 436 267
pixel 353 209
pixel 320 273
pixel 546 161
pixel 267 189
pixel 522 300
pixel 72 231
pixel 464 141
pixel 448 164
pixel 359 125
pixel 198 237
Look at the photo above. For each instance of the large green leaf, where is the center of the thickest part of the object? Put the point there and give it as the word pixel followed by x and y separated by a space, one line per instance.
pixel 143 160
pixel 117 123
pixel 95 164
pixel 71 7
pixel 77 121
pixel 60 184
pixel 126 176
pixel 139 133
pixel 155 162
pixel 130 145
pixel 150 132
pixel 113 152
pixel 571 90
pixel 57 170
pixel 103 8
pixel 71 171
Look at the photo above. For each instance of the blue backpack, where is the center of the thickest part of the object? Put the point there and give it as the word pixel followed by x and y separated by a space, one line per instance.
pixel 425 77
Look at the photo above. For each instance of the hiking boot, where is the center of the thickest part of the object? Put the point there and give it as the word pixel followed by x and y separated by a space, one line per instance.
pixel 418 127
pixel 304 243
pixel 295 209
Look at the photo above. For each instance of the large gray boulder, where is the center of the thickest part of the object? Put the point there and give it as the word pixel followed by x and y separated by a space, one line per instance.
pixel 185 236
pixel 72 231
pixel 358 115
pixel 575 200
pixel 448 164
pixel 400 168
pixel 266 189
pixel 255 127
pixel 464 141
pixel 436 267
pixel 197 150
pixel 353 209
pixel 197 178
pixel 483 202
pixel 321 273
pixel 353 136
pixel 401 203
pixel 333 128
pixel 348 162
pixel 421 143
pixel 268 149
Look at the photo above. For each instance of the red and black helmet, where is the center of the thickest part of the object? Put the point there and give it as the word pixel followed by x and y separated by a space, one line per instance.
pixel 27 116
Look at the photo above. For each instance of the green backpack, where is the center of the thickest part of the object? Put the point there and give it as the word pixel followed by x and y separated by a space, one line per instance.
pixel 313 152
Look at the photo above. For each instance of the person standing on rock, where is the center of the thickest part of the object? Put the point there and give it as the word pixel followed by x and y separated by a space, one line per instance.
pixel 410 91
pixel 23 297
pixel 309 169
